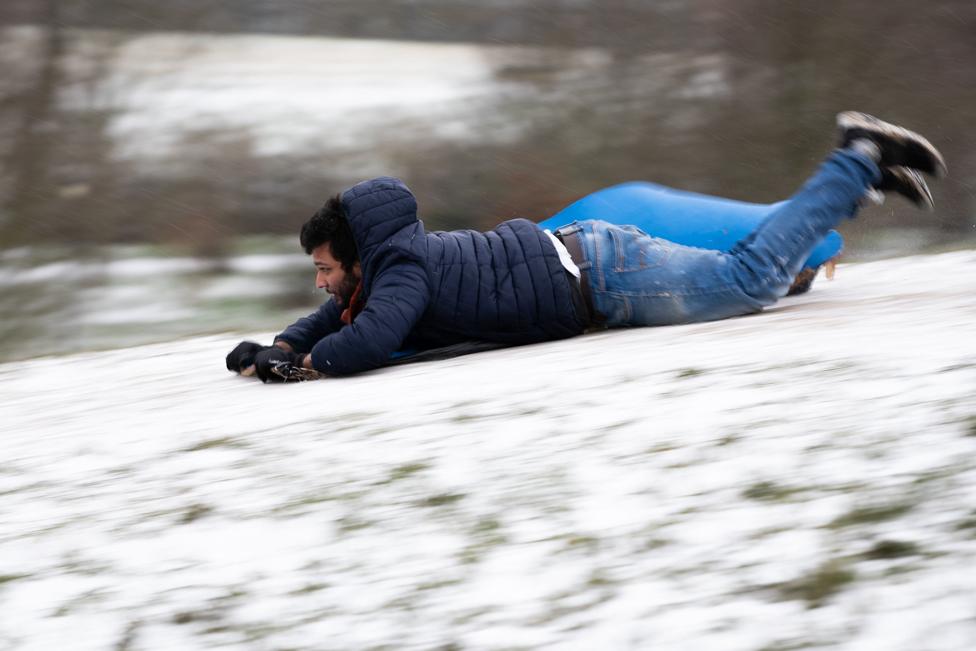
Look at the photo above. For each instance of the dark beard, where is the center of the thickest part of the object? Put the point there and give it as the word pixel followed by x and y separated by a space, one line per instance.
pixel 344 293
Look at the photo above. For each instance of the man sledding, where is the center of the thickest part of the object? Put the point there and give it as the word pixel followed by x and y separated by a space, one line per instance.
pixel 395 286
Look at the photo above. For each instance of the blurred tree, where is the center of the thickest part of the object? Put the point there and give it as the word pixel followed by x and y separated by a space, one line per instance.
pixel 59 172
pixel 30 108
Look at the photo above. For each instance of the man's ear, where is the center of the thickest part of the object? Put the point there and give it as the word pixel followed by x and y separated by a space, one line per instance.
pixel 357 270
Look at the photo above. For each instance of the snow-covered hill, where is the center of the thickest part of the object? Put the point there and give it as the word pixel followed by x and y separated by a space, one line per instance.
pixel 801 478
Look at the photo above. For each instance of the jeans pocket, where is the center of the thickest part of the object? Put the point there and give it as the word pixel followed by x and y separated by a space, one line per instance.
pixel 635 250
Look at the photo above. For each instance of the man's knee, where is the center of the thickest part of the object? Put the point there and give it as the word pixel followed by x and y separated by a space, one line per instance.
pixel 765 284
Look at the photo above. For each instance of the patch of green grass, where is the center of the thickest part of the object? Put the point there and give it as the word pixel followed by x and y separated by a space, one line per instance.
pixel 442 499
pixel 820 584
pixel 599 580
pixel 957 367
pixel 471 554
pixel 767 532
pixel 576 541
pixel 352 416
pixel 871 515
pixel 486 533
pixel 967 523
pixel 74 563
pixel 299 505
pixel 487 525
pixel 128 638
pixel 839 368
pixel 25 487
pixel 689 372
pixel 597 589
pixel 887 549
pixel 85 599
pixel 790 646
pixel 656 543
pixel 939 474
pixel 620 424
pixel 377 431
pixel 350 523
pixel 627 378
pixel 489 532
pixel 194 512
pixel 662 447
pixel 970 425
pixel 902 569
pixel 471 615
pixel 768 491
pixel 353 420
pixel 407 602
pixel 437 584
pixel 223 442
pixel 450 646
pixel 7 578
pixel 194 616
pixel 407 469
pixel 303 501
pixel 468 417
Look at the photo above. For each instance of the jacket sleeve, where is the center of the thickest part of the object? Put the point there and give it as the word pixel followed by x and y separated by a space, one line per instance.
pixel 398 299
pixel 303 334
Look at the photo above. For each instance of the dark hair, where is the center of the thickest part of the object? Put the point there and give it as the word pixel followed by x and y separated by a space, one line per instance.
pixel 329 224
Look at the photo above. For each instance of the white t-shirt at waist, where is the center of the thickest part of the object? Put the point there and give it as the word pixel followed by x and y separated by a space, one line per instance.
pixel 564 256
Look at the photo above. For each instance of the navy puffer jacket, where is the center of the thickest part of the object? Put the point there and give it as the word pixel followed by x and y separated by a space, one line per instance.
pixel 424 290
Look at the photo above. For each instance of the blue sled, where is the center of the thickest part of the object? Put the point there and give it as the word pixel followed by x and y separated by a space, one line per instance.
pixel 683 217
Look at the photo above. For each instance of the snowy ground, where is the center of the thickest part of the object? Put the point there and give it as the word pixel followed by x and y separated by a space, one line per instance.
pixel 802 478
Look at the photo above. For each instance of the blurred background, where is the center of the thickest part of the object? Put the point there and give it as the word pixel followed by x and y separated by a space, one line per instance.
pixel 157 159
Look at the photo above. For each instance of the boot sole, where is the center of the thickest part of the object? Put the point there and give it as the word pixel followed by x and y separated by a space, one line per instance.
pixel 908 183
pixel 907 148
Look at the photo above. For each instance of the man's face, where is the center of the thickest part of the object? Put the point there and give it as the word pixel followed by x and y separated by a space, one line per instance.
pixel 330 276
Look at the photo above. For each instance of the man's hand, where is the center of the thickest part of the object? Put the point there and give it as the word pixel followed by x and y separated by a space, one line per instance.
pixel 277 365
pixel 243 355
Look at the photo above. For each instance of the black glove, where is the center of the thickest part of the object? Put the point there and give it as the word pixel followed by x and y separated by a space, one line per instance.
pixel 243 355
pixel 277 365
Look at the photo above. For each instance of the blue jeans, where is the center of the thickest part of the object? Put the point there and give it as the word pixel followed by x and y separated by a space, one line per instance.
pixel 639 280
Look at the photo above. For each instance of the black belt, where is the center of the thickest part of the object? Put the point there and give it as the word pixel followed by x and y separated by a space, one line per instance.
pixel 582 290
